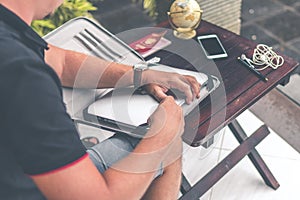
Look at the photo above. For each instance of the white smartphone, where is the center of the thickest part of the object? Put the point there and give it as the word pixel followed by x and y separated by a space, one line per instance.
pixel 212 46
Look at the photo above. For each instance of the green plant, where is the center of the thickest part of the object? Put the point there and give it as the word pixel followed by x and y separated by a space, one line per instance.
pixel 68 10
pixel 156 9
pixel 149 5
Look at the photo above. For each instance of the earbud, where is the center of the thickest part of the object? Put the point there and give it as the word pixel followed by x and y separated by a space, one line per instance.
pixel 264 55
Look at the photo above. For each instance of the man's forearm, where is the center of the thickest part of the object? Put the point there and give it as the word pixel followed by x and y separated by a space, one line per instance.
pixel 83 71
pixel 140 167
pixel 91 72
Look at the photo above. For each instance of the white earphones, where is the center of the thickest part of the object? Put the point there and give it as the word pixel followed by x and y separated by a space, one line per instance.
pixel 264 55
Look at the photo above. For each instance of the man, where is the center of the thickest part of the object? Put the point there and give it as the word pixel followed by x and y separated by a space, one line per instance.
pixel 41 153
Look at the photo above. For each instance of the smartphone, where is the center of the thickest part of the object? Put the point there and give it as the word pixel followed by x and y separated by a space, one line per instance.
pixel 212 46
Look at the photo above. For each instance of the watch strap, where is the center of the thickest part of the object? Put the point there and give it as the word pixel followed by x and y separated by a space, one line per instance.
pixel 137 78
pixel 137 73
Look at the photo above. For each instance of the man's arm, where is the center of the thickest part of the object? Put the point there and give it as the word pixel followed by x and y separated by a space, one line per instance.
pixel 82 71
pixel 83 181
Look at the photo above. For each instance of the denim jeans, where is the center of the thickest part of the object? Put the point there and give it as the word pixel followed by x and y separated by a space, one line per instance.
pixel 113 149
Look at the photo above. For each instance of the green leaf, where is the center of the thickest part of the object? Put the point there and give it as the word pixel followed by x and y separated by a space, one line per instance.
pixel 67 11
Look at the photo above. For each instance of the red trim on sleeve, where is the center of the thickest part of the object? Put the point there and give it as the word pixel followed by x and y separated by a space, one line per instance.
pixel 62 167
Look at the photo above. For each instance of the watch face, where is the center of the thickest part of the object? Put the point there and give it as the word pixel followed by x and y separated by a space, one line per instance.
pixel 140 66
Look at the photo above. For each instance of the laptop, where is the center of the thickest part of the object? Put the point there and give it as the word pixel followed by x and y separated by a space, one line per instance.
pixel 127 110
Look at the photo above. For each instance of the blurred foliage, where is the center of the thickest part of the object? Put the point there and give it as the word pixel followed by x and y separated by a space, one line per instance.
pixel 68 10
pixel 157 9
pixel 149 5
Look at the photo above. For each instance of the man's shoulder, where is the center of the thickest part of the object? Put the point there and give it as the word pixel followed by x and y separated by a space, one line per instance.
pixel 11 47
pixel 17 59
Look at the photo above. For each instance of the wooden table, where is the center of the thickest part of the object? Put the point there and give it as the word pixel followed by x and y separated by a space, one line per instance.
pixel 239 89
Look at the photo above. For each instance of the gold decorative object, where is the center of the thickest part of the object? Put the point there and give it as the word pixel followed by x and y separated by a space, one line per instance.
pixel 185 17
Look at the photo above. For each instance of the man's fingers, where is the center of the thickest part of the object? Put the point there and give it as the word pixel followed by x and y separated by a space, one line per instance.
pixel 188 85
pixel 183 86
pixel 194 85
pixel 184 83
pixel 158 92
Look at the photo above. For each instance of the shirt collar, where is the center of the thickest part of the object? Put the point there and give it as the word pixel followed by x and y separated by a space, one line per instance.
pixel 20 26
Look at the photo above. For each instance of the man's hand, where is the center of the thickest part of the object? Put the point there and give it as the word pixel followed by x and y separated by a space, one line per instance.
pixel 166 129
pixel 158 83
pixel 167 119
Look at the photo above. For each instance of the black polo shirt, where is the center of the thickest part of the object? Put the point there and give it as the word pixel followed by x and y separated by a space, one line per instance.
pixel 37 135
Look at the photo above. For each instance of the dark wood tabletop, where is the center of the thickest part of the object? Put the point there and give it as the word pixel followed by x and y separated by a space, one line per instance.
pixel 239 88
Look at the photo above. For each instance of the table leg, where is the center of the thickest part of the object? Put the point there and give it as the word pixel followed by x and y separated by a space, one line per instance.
pixel 254 156
pixel 214 175
pixel 185 185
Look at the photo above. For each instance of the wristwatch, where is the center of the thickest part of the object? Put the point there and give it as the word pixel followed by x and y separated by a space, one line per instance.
pixel 137 73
